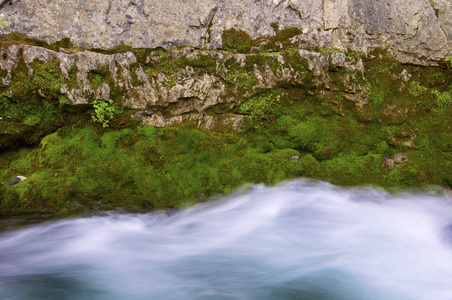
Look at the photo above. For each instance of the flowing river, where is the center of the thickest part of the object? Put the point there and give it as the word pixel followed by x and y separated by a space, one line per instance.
pixel 299 240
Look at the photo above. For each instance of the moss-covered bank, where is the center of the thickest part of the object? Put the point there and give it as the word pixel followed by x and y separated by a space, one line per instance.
pixel 390 126
pixel 150 168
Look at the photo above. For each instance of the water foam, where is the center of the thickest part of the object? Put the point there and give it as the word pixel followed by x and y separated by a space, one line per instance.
pixel 300 240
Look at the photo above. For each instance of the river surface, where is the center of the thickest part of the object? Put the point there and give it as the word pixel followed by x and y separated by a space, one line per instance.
pixel 299 240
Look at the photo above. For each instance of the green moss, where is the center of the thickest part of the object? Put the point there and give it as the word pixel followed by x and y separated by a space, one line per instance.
pixel 294 60
pixel 100 75
pixel 202 63
pixel 445 99
pixel 171 167
pixel 72 80
pixel 133 74
pixel 244 79
pixel 66 44
pixel 32 120
pixel 260 107
pixel 47 77
pixel 15 38
pixel 261 62
pixel 163 62
pixel 35 96
pixel 286 34
pixel 142 55
pixel 96 79
pixel 237 41
pixel 281 39
pixel 3 74
pixel 121 48
pixel 170 81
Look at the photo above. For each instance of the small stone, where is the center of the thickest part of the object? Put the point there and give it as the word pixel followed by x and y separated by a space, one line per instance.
pixel 405 75
pixel 16 180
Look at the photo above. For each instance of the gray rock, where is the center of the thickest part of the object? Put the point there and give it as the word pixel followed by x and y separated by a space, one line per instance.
pixel 16 180
pixel 190 96
pixel 338 60
pixel 415 31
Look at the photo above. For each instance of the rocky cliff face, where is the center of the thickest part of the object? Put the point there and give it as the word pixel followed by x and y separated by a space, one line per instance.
pixel 160 87
pixel 414 31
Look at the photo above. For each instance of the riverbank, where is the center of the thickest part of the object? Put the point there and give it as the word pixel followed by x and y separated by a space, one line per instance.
pixel 257 111
pixel 154 168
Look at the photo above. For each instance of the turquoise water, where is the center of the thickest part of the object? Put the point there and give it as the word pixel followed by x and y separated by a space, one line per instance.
pixel 300 240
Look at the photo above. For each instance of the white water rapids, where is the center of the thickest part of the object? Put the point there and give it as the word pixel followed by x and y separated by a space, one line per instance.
pixel 299 240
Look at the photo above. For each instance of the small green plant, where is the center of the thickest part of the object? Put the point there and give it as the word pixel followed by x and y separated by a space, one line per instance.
pixel 443 100
pixel 415 89
pixel 104 111
pixel 63 100
pixel 449 59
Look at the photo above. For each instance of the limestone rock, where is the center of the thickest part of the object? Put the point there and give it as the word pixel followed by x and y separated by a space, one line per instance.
pixel 396 161
pixel 185 94
pixel 414 31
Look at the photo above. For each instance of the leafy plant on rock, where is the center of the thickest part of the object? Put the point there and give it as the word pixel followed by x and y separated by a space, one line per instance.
pixel 449 59
pixel 104 111
pixel 443 100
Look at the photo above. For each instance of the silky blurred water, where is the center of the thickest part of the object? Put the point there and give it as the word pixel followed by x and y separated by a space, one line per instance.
pixel 300 240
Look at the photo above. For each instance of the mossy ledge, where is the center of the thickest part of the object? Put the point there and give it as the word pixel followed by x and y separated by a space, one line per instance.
pixel 220 119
